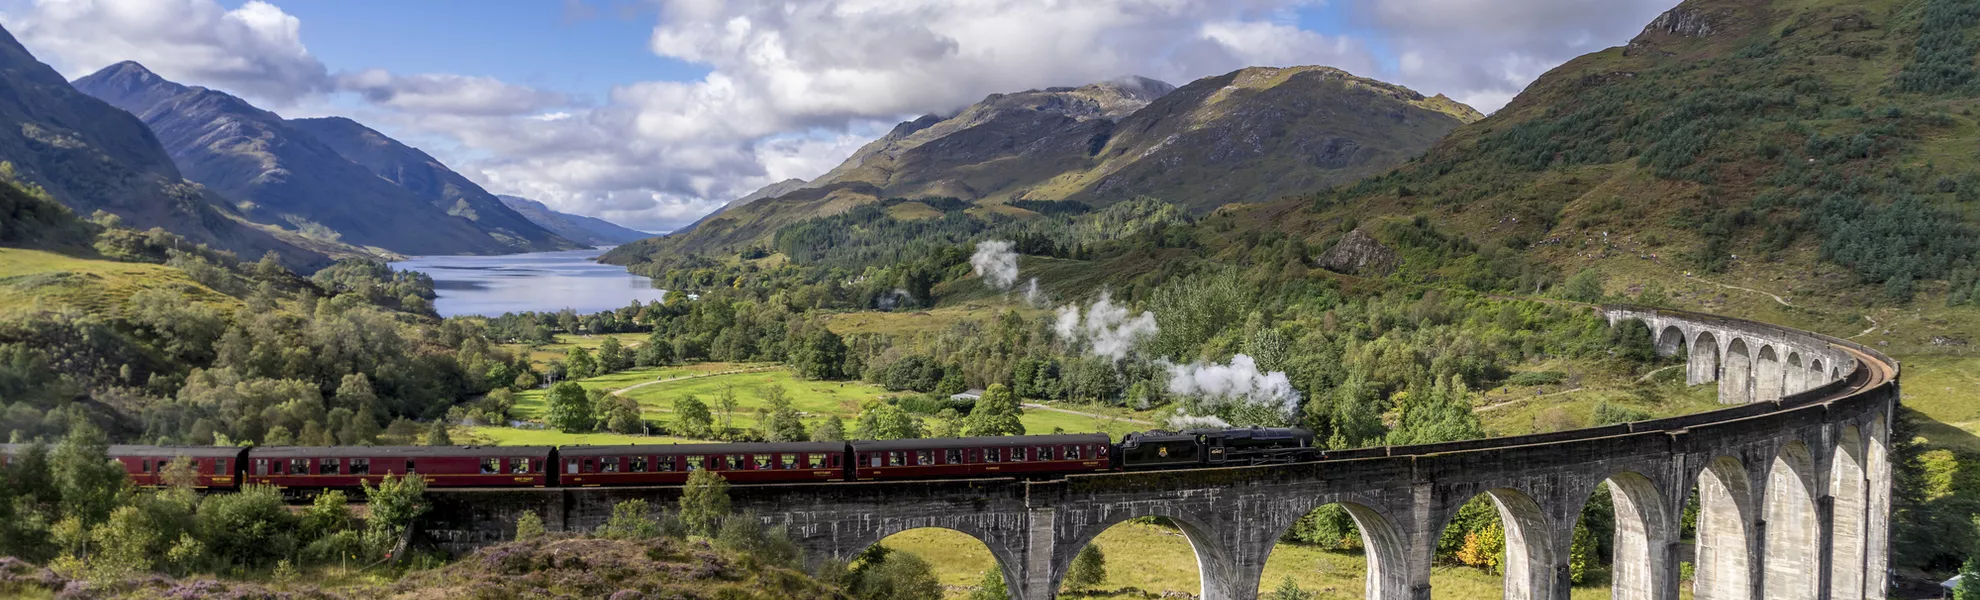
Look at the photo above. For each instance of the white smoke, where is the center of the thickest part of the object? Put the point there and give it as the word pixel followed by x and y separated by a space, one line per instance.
pixel 1184 421
pixel 1032 297
pixel 894 298
pixel 1218 387
pixel 1107 329
pixel 996 263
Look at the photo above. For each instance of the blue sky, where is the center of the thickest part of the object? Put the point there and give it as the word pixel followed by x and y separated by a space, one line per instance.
pixel 654 112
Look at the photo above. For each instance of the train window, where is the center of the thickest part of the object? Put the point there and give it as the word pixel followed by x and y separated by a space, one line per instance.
pixel 790 461
pixel 611 464
pixel 518 465
pixel 590 465
pixel 637 464
pixel 951 456
pixel 491 466
pixel 327 466
pixel 299 466
pixel 878 460
pixel 663 464
pixel 1045 453
pixel 924 457
pixel 992 455
pixel 736 462
pixel 1017 454
pixel 694 463
pixel 360 466
pixel 571 466
pixel 1099 451
pixel 261 466
pixel 275 467
pixel 144 465
pixel 896 459
pixel 1072 452
pixel 409 466
pixel 762 462
pixel 817 461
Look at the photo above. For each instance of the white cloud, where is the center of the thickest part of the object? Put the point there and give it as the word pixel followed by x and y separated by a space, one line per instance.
pixel 793 86
pixel 449 94
pixel 996 263
pixel 255 50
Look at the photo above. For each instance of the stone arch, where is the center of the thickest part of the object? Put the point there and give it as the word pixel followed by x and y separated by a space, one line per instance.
pixel 1385 548
pixel 1724 557
pixel 1877 540
pixel 1008 560
pixel 1644 532
pixel 1849 503
pixel 1736 386
pixel 1767 374
pixel 1671 341
pixel 1702 365
pixel 1791 550
pixel 1530 553
pixel 1815 373
pixel 1216 568
pixel 1796 378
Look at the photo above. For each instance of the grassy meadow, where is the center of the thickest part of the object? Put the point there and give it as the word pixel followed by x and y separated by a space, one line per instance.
pixel 33 281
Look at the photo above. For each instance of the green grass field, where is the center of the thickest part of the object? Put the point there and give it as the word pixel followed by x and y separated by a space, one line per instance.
pixel 510 436
pixel 1941 387
pixel 816 399
pixel 1158 560
pixel 529 404
pixel 33 280
pixel 542 355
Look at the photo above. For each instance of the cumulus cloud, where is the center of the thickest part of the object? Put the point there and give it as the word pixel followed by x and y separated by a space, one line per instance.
pixel 996 263
pixel 255 50
pixel 450 94
pixel 1235 388
pixel 793 86
pixel 1107 329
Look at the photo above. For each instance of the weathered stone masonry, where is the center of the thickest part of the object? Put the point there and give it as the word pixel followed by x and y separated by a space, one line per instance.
pixel 1794 485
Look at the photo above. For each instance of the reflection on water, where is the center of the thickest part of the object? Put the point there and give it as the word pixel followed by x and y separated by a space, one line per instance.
pixel 540 281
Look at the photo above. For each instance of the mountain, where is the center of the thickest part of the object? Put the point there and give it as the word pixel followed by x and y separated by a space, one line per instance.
pixel 769 191
pixel 579 228
pixel 1251 135
pixel 425 177
pixel 90 156
pixel 280 175
pixel 1739 156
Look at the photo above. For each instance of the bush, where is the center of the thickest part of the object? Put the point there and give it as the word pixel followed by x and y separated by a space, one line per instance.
pixel 1537 378
pixel 629 521
pixel 897 576
pixel 1089 568
pixel 529 526
pixel 705 502
pixel 251 527
pixel 991 586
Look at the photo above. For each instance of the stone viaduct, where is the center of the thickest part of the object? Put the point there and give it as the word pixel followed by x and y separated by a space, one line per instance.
pixel 1794 486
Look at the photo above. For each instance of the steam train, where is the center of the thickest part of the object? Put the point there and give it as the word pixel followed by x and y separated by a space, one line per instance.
pixel 1034 456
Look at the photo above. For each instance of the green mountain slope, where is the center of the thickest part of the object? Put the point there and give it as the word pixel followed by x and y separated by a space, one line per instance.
pixel 283 176
pixel 91 156
pixel 1248 136
pixel 427 178
pixel 1741 155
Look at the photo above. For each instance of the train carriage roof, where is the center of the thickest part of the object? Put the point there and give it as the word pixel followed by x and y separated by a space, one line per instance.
pixel 655 449
pixel 1004 441
pixel 401 451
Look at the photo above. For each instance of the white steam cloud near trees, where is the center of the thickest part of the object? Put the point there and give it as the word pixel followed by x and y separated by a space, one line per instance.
pixel 996 263
pixel 1107 330
pixel 1237 390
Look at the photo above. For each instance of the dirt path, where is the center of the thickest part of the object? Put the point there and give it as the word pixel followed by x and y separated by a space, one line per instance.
pixel 1779 299
pixel 1030 406
pixel 1873 327
pixel 622 391
pixel 1653 373
pixel 1519 400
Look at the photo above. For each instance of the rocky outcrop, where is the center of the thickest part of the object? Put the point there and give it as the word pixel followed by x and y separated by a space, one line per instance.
pixel 1359 254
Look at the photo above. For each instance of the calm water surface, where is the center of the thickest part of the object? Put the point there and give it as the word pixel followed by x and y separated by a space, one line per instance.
pixel 539 281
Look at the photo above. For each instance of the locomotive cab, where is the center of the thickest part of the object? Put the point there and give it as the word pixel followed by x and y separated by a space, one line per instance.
pixel 1255 445
pixel 1158 449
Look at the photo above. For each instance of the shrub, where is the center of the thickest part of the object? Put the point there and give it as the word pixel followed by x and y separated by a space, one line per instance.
pixel 529 526
pixel 251 527
pixel 705 502
pixel 1089 568
pixel 630 521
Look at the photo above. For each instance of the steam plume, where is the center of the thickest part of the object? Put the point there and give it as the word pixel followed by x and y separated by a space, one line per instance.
pixel 1236 389
pixel 1107 329
pixel 996 263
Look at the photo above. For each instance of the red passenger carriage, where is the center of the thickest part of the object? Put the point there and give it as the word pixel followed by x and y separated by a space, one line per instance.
pixel 440 466
pixel 981 456
pixel 670 464
pixel 217 466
